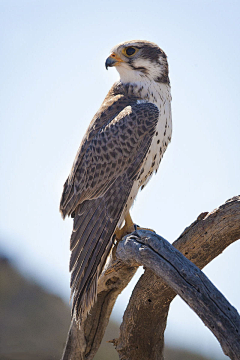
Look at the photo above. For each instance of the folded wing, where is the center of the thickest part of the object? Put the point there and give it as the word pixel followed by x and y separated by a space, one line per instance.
pixel 98 192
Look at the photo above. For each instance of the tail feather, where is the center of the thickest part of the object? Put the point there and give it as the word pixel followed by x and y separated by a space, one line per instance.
pixel 86 253
pixel 87 287
pixel 80 233
pixel 108 230
pixel 94 228
pixel 96 255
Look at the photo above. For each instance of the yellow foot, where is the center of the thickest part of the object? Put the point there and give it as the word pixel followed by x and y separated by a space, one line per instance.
pixel 128 228
pixel 141 228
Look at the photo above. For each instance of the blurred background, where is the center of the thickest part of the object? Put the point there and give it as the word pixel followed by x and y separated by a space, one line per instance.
pixel 53 80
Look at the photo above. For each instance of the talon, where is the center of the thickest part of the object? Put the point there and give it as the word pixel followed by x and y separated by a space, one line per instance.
pixel 141 228
pixel 128 228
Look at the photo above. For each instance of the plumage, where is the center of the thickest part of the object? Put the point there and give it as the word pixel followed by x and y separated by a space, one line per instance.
pixel 121 149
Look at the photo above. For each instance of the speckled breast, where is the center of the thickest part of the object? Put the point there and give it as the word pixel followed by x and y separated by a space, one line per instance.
pixel 160 141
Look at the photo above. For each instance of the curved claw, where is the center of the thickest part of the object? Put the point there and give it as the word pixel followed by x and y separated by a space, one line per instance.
pixel 141 228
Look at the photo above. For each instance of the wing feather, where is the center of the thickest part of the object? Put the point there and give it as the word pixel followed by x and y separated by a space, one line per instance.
pixel 98 192
pixel 108 155
pixel 85 292
pixel 81 221
pixel 88 241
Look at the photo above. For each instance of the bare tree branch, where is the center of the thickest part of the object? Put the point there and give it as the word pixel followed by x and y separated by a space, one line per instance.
pixel 188 281
pixel 142 330
pixel 201 242
pixel 83 342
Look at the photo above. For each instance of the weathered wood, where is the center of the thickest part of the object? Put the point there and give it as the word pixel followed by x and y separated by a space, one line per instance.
pixel 83 342
pixel 142 330
pixel 201 242
pixel 188 281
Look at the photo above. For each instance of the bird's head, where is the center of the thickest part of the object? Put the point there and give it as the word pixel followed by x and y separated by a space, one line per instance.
pixel 139 59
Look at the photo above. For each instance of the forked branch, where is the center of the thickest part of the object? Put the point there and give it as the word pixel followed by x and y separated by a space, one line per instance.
pixel 148 307
pixel 189 282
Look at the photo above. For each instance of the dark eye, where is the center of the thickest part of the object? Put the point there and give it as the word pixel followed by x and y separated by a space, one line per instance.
pixel 130 51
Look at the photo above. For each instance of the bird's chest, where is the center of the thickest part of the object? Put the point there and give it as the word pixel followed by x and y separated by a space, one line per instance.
pixel 160 140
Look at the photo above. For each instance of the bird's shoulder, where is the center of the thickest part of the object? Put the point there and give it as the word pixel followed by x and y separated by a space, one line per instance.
pixel 115 106
pixel 121 122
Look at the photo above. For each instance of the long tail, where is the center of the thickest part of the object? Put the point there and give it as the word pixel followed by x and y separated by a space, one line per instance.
pixel 95 222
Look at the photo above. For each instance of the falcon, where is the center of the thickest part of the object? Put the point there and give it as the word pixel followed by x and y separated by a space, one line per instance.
pixel 122 148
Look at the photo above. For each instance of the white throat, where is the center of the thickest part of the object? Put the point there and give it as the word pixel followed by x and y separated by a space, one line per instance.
pixel 160 95
pixel 150 90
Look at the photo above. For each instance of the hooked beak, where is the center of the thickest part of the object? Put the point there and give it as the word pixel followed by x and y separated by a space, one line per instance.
pixel 113 60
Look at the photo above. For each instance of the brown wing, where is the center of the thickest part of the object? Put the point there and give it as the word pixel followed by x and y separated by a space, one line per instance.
pixel 102 184
pixel 113 104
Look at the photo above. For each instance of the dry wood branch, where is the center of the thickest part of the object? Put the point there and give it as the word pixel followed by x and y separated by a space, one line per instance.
pixel 206 238
pixel 188 281
pixel 201 242
pixel 83 343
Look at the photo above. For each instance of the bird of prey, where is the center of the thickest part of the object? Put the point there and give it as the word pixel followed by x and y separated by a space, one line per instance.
pixel 121 149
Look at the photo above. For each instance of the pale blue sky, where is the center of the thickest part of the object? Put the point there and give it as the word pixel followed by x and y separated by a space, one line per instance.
pixel 53 80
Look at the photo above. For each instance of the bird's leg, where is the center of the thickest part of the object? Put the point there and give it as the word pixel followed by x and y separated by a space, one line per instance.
pixel 141 228
pixel 137 227
pixel 128 227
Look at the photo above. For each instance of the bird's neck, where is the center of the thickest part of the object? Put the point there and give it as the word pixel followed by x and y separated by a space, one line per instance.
pixel 151 91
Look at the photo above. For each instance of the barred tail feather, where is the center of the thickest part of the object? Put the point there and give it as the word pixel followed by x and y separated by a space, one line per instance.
pixel 93 243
